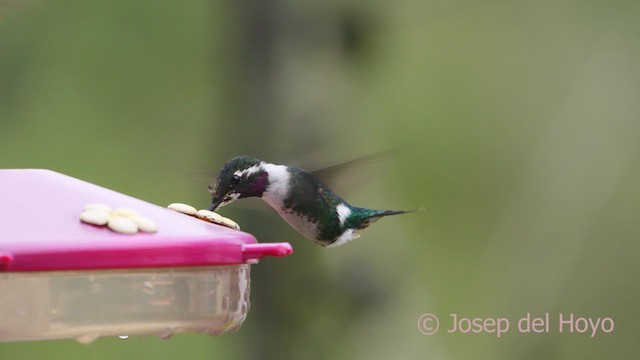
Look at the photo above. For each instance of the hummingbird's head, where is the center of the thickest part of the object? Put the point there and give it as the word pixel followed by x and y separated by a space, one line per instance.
pixel 240 177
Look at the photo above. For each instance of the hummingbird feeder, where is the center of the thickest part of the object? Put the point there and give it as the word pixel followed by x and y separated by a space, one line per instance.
pixel 63 278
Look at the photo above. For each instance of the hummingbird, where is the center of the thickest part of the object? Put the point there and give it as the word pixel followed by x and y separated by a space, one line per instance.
pixel 299 197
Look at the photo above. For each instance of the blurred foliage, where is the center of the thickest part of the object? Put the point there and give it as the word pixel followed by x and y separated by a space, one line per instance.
pixel 518 124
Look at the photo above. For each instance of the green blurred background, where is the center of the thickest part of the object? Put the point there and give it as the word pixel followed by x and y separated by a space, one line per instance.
pixel 517 127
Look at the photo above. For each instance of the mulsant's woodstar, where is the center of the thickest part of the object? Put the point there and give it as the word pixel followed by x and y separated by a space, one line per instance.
pixel 301 199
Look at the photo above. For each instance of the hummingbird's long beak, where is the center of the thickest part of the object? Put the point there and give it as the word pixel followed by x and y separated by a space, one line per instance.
pixel 214 205
pixel 216 200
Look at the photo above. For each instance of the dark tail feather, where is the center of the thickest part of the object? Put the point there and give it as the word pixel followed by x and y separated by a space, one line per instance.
pixel 394 212
pixel 376 215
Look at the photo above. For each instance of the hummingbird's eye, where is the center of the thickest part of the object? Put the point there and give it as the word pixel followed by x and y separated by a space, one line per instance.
pixel 235 179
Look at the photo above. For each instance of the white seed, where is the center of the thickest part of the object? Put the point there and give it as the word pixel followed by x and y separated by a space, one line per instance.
pixel 230 223
pixel 216 218
pixel 122 225
pixel 95 216
pixel 208 215
pixel 145 224
pixel 125 212
pixel 183 208
pixel 98 207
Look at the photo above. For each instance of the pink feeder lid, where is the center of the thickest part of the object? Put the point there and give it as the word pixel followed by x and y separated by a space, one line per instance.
pixel 40 230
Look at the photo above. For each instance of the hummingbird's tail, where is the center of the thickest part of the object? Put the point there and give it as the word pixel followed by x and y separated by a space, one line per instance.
pixel 370 216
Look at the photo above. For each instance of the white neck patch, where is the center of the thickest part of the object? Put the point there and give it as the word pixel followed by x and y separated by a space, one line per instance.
pixel 278 188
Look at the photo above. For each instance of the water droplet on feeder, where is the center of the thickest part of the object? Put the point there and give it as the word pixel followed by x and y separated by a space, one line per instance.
pixel 87 339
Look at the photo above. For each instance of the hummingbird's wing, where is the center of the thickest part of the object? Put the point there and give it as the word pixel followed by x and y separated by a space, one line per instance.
pixel 350 175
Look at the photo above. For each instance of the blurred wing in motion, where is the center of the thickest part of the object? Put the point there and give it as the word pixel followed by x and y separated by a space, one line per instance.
pixel 346 177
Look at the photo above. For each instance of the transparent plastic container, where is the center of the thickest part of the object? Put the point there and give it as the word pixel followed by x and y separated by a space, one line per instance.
pixel 60 278
pixel 88 304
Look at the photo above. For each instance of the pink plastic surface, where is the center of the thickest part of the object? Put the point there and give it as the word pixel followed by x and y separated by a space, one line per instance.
pixel 40 230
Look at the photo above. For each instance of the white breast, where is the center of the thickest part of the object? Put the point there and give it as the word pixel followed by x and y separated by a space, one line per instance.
pixel 277 191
